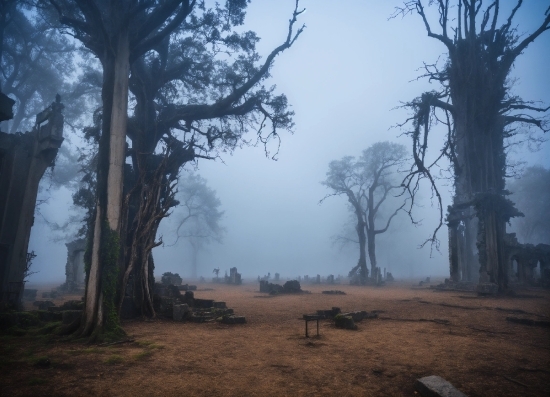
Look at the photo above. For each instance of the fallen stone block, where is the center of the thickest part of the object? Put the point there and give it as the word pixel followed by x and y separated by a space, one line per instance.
pixel 436 386
pixel 219 305
pixel 204 303
pixel 345 322
pixel 233 320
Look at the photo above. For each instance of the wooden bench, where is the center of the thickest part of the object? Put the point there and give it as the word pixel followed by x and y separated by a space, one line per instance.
pixel 312 317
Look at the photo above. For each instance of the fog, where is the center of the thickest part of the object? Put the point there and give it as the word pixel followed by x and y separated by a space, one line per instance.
pixel 344 78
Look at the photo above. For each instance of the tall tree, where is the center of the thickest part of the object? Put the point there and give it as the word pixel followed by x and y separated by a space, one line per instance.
pixel 367 182
pixel 476 105
pixel 120 33
pixel 117 33
pixel 193 101
pixel 199 222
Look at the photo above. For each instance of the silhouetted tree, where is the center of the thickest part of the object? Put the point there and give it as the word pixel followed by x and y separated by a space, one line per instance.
pixel 476 105
pixel 366 182
pixel 199 219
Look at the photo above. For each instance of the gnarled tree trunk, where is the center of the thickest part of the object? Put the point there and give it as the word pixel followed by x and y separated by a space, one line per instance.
pixel 104 274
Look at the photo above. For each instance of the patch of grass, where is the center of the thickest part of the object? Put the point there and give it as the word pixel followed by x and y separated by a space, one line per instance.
pixel 37 381
pixel 143 355
pixel 145 343
pixel 149 344
pixel 114 359
pixel 49 328
pixel 16 331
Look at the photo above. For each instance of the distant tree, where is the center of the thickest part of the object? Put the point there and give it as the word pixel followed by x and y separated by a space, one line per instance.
pixel 367 182
pixel 199 218
pixel 475 103
pixel 531 193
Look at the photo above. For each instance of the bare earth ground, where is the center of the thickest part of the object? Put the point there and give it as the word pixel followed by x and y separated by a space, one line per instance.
pixel 478 351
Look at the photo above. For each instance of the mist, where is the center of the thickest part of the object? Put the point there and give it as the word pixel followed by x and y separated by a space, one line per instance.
pixel 345 78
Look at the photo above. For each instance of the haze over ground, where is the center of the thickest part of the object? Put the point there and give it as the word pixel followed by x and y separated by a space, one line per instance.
pixel 343 77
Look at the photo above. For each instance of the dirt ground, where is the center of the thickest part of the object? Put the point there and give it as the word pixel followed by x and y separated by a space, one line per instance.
pixel 464 338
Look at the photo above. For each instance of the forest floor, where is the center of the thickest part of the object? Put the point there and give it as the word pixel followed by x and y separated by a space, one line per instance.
pixel 459 336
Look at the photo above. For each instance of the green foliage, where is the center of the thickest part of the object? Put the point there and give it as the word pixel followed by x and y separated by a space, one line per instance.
pixel 114 359
pixel 110 250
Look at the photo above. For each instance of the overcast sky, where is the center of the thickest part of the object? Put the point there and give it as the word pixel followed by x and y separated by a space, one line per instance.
pixel 344 75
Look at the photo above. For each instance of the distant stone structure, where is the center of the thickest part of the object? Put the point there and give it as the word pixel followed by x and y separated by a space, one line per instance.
pixel 24 157
pixel 74 268
pixel 234 277
pixel 523 260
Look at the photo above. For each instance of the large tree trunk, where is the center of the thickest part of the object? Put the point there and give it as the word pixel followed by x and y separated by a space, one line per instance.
pixel 104 275
pixel 476 92
pixel 372 252
pixel 362 263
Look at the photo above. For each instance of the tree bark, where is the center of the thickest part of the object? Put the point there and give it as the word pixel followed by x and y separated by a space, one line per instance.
pixel 104 274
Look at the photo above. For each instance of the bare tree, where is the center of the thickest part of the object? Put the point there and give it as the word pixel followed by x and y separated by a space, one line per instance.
pixel 198 221
pixel 476 105
pixel 367 182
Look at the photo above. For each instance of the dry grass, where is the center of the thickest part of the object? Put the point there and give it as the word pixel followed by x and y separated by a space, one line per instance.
pixel 477 350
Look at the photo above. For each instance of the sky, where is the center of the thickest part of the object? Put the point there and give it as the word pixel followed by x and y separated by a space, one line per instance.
pixel 345 78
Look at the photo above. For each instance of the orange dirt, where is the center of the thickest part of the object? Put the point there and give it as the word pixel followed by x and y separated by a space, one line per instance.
pixel 478 351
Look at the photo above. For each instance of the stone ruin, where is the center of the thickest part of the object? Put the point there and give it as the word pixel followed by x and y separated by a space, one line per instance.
pixel 24 157
pixel 234 277
pixel 75 274
pixel 170 303
pixel 169 278
pixel 523 260
pixel 318 279
pixel 290 287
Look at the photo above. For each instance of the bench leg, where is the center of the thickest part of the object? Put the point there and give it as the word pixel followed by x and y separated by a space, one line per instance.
pixel 307 336
pixel 317 327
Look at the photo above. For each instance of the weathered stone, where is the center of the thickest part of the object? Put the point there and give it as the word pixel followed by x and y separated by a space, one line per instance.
pixel 204 303
pixel 334 292
pixel 233 320
pixel 343 321
pixel 436 386
pixel 487 289
pixel 25 157
pixel 180 311
pixel 219 305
